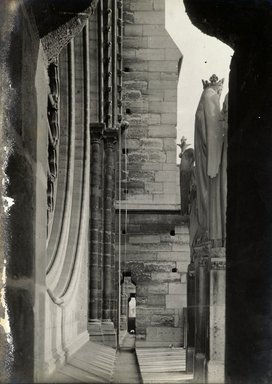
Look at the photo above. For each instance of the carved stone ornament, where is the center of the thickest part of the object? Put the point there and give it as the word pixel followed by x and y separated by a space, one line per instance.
pixel 110 138
pixel 203 261
pixel 218 263
pixel 53 138
pixel 96 132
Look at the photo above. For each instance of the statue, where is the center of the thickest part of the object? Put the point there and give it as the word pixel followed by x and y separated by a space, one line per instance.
pixel 188 190
pixel 209 140
pixel 186 166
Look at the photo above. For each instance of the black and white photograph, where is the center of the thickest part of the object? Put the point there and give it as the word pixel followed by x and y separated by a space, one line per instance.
pixel 136 186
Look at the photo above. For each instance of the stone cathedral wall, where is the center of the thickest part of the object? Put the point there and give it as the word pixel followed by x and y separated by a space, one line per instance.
pixel 155 237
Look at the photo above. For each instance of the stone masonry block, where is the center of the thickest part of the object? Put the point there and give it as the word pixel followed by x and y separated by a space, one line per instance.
pixel 139 5
pixel 136 131
pixel 149 17
pixel 169 118
pixel 153 167
pixel 144 239
pixel 165 276
pixel 146 247
pixel 130 53
pixel 149 54
pixel 167 238
pixel 183 238
pixel 159 289
pixel 131 95
pixel 159 4
pixel 163 107
pixel 170 198
pixel 154 118
pixel 172 53
pixel 163 320
pixel 173 256
pixel 141 300
pixel 135 85
pixel 184 278
pixel 176 288
pixel 165 176
pixel 161 42
pixel 139 106
pixel 134 66
pixel 132 144
pixel 164 334
pixel 153 143
pixel 180 247
pixel 154 187
pixel 169 76
pixel 165 84
pixel 182 266
pixel 153 95
pixel 165 131
pixel 141 256
pixel 169 144
pixel 156 300
pixel 141 175
pixel 154 30
pixel 157 157
pixel 139 199
pixel 171 157
pixel 169 187
pixel 137 157
pixel 182 229
pixel 160 266
pixel 163 66
pixel 140 75
pixel 169 167
pixel 176 301
pixel 170 94
pixel 135 42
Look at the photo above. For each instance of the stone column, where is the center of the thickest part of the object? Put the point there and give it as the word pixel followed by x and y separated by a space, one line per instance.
pixel 202 313
pixel 216 364
pixel 190 350
pixel 94 326
pixel 109 335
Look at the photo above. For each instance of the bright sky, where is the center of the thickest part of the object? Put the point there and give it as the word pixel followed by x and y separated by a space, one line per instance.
pixel 202 56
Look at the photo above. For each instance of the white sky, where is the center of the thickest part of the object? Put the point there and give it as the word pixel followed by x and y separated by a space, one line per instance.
pixel 202 56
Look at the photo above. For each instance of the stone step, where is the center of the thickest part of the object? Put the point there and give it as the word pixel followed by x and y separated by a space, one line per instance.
pixel 163 365
pixel 166 378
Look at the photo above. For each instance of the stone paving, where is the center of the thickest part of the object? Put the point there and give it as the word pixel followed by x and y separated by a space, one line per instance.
pixel 126 367
pixel 163 365
pixel 93 363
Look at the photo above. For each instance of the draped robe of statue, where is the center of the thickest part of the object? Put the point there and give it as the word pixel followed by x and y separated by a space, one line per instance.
pixel 209 137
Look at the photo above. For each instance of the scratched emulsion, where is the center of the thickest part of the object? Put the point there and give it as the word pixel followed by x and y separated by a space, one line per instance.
pixel 7 96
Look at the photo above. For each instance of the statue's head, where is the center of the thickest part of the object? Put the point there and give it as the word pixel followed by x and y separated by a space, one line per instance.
pixel 214 83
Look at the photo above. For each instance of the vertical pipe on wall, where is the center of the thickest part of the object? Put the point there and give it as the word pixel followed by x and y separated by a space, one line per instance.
pixel 114 63
pixel 100 24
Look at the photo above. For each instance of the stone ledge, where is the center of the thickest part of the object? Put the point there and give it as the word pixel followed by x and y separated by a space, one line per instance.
pixel 141 206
